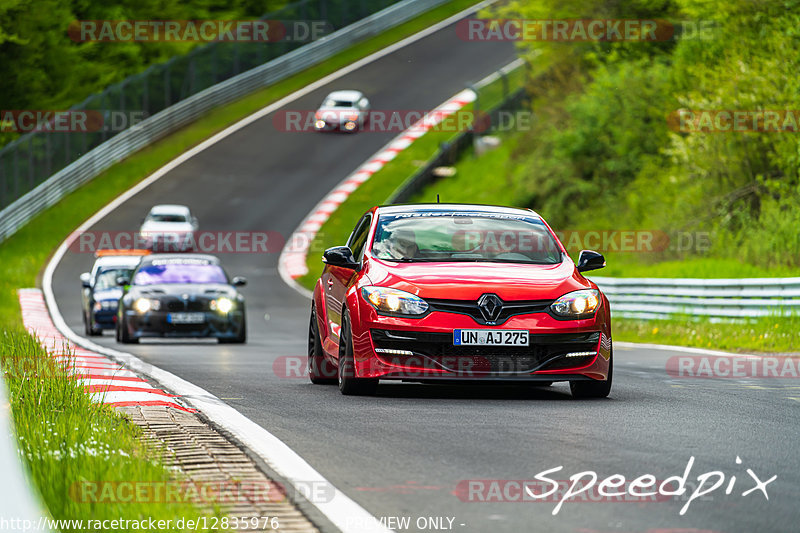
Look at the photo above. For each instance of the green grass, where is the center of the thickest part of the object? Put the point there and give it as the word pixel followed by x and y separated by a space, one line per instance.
pixel 389 179
pixel 67 439
pixel 768 335
pixel 62 434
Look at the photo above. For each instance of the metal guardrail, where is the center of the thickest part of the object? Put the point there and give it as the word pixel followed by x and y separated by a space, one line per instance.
pixel 20 509
pixel 649 298
pixel 186 111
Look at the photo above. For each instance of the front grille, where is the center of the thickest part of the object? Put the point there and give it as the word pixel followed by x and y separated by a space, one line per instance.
pixel 470 307
pixel 191 304
pixel 436 351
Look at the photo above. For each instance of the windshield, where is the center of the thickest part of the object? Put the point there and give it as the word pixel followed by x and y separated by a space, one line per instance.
pixel 330 102
pixel 179 273
pixel 107 279
pixel 167 218
pixel 464 236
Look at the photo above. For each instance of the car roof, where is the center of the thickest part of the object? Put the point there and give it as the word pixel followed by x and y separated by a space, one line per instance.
pixel 345 95
pixel 169 209
pixel 117 261
pixel 431 207
pixel 178 257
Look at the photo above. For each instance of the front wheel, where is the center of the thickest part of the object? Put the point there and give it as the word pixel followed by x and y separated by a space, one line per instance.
pixel 594 389
pixel 320 370
pixel 241 338
pixel 349 384
pixel 123 335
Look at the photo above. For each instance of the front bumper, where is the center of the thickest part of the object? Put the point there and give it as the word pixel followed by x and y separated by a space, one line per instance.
pixel 104 319
pixel 155 324
pixel 422 349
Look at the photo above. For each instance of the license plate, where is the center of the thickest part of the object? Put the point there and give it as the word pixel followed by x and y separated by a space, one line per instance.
pixel 490 337
pixel 186 318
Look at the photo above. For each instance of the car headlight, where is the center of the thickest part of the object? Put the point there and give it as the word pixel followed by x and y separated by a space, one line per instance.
pixel 387 300
pixel 577 304
pixel 143 305
pixel 223 305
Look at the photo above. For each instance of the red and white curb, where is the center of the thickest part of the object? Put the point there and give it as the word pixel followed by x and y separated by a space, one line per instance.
pixel 103 379
pixel 292 261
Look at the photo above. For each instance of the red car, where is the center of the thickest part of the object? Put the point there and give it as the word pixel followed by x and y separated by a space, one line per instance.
pixel 437 292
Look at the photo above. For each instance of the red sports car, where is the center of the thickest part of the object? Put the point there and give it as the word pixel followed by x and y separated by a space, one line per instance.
pixel 437 292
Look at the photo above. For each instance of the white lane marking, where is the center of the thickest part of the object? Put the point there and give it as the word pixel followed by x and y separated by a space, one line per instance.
pixel 684 349
pixel 345 513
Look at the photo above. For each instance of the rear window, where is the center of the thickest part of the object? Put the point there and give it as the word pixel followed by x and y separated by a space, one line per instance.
pixel 167 218
pixel 330 102
pixel 440 236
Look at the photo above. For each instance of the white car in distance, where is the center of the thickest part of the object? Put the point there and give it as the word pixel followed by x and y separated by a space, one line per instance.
pixel 342 110
pixel 167 227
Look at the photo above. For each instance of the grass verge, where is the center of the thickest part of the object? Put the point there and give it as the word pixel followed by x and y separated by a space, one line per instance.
pixel 67 439
pixel 767 334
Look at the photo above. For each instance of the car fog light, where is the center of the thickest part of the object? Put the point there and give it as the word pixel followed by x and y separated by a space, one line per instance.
pixel 580 354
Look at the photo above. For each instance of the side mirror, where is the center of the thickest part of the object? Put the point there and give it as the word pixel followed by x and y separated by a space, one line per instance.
pixel 123 280
pixel 239 281
pixel 85 279
pixel 340 256
pixel 590 260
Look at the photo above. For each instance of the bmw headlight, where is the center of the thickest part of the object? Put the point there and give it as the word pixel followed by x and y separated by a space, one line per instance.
pixel 143 305
pixel 223 305
pixel 387 300
pixel 577 304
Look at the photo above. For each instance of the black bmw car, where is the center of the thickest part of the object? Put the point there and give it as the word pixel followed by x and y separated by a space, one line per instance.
pixel 181 295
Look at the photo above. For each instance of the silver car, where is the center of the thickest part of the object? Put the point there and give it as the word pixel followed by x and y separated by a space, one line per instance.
pixel 342 110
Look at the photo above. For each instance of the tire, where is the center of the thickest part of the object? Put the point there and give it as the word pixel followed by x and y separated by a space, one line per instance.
pixel 122 333
pixel 540 383
pixel 241 338
pixel 594 389
pixel 320 370
pixel 90 331
pixel 349 385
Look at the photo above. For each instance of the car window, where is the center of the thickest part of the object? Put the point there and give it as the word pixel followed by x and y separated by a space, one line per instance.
pixel 107 279
pixel 179 273
pixel 464 236
pixel 330 102
pixel 167 218
pixel 359 237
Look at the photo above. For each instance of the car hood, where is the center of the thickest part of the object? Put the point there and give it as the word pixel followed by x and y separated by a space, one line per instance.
pixel 210 290
pixel 468 281
pixel 166 227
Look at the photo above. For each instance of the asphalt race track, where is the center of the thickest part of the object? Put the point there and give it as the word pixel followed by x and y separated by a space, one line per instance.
pixel 405 452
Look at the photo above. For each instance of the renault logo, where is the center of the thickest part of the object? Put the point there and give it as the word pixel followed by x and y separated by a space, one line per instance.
pixel 490 306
